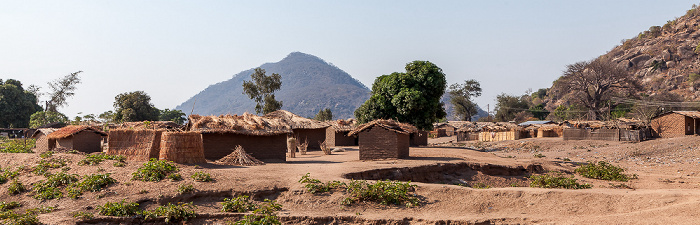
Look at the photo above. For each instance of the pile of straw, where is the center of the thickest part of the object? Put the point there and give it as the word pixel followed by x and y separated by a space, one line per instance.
pixel 303 146
pixel 324 147
pixel 182 147
pixel 292 147
pixel 240 158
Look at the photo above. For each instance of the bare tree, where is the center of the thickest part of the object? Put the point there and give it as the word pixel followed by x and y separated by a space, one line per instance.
pixel 593 83
pixel 61 89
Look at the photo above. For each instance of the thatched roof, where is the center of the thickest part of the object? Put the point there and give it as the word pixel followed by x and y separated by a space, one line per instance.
pixel 168 125
pixel 543 127
pixel 45 131
pixel 488 126
pixel 391 125
pixel 343 125
pixel 296 121
pixel 247 124
pixel 595 124
pixel 72 130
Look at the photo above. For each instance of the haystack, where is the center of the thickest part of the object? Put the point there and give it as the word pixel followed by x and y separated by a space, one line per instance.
pixel 240 158
pixel 304 129
pixel 182 147
pixel 138 145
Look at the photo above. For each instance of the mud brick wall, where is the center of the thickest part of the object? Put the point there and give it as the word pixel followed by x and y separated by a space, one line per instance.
pixel 671 125
pixel 82 141
pixel 379 143
pixel 313 136
pixel 42 143
pixel 499 136
pixel 420 138
pixel 265 148
pixel 334 138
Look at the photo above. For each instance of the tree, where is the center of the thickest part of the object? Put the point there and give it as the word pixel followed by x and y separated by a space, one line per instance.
pixel 175 115
pixel 107 117
pixel 507 106
pixel 411 97
pixel 593 83
pixel 16 104
pixel 262 89
pixel 324 115
pixel 61 89
pixel 43 117
pixel 461 97
pixel 134 106
pixel 538 111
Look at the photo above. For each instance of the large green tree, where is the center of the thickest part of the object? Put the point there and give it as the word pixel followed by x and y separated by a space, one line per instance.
pixel 507 106
pixel 262 89
pixel 412 97
pixel 16 104
pixel 174 115
pixel 461 98
pixel 324 115
pixel 43 117
pixel 135 106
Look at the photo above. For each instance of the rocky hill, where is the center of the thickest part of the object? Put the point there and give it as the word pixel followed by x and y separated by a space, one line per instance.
pixel 309 84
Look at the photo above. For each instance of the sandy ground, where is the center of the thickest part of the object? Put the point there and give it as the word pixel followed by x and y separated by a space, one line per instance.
pixel 667 190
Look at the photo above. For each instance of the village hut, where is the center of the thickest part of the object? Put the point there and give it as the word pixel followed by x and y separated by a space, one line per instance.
pixel 419 138
pixel 468 132
pixel 444 129
pixel 500 131
pixel 337 133
pixel 80 138
pixel 182 147
pixel 42 139
pixel 542 130
pixel 153 125
pixel 676 124
pixel 261 137
pixel 304 129
pixel 384 139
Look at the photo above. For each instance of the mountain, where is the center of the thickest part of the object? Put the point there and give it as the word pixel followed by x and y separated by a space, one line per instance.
pixel 309 84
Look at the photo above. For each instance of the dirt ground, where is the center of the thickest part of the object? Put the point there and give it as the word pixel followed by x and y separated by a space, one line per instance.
pixel 667 190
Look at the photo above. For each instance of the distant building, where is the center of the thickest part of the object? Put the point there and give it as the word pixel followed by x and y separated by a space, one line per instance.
pixel 676 123
pixel 80 138
pixel 384 139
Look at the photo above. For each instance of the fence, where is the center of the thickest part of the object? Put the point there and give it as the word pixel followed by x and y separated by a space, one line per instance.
pixel 606 134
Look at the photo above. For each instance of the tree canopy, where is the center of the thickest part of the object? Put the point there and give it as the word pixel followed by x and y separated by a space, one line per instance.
pixel 135 106
pixel 61 89
pixel 262 90
pixel 16 104
pixel 508 106
pixel 43 117
pixel 461 97
pixel 411 97
pixel 324 115
pixel 174 115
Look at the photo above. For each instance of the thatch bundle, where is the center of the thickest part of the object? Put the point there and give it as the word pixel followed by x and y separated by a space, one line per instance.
pixel 182 147
pixel 139 145
pixel 303 146
pixel 239 157
pixel 324 147
pixel 389 124
pixel 500 126
pixel 292 147
pixel 343 125
pixel 295 121
pixel 154 125
pixel 247 124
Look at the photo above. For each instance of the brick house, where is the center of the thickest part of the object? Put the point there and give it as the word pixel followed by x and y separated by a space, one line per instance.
pixel 676 123
pixel 263 138
pixel 384 139
pixel 337 133
pixel 303 129
pixel 80 138
pixel 42 141
pixel 449 129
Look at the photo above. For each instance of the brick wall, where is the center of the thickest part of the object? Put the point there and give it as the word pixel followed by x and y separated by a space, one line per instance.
pixel 86 141
pixel 379 143
pixel 419 139
pixel 42 143
pixel 265 148
pixel 334 138
pixel 313 136
pixel 670 125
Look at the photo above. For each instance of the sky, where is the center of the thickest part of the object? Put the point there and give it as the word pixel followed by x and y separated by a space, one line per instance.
pixel 172 49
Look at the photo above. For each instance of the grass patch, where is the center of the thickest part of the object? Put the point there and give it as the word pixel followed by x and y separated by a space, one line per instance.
pixel 238 204
pixel 182 189
pixel 175 177
pixel 45 165
pixel 18 146
pixel 539 155
pixel 173 212
pixel 118 164
pixel 316 186
pixel 5 206
pixel 382 192
pixel 95 182
pixel 7 174
pixel 46 154
pixel 603 171
pixel 82 215
pixel 12 218
pixel 154 170
pixel 123 209
pixel 481 186
pixel 15 187
pixel 96 159
pixel 200 176
pixel 549 181
pixel 264 214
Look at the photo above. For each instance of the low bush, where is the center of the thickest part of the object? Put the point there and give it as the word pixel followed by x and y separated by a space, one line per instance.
pixel 15 187
pixel 264 214
pixel 122 208
pixel 549 181
pixel 41 210
pixel 82 215
pixel 95 182
pixel 118 164
pixel 18 146
pixel 45 165
pixel 4 206
pixel 603 171
pixel 182 189
pixel 46 193
pixel 481 186
pixel 175 177
pixel 316 186
pixel 12 218
pixel 238 204
pixel 382 192
pixel 95 159
pixel 154 170
pixel 173 212
pixel 46 154
pixel 8 174
pixel 59 179
pixel 200 176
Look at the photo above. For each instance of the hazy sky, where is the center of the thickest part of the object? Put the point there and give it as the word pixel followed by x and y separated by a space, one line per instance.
pixel 174 49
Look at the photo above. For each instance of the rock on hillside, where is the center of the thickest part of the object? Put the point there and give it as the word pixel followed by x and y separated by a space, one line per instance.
pixel 309 84
pixel 665 58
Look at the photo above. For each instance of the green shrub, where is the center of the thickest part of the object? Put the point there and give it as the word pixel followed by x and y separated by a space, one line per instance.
pixel 82 215
pixel 238 204
pixel 122 208
pixel 154 170
pixel 95 159
pixel 118 164
pixel 15 187
pixel 12 218
pixel 4 206
pixel 200 176
pixel 602 171
pixel 173 212
pixel 175 177
pixel 46 193
pixel 46 154
pixel 18 146
pixel 316 186
pixel 41 210
pixel 264 214
pixel 95 182
pixel 481 186
pixel 7 174
pixel 60 179
pixel 182 189
pixel 382 192
pixel 74 192
pixel 539 155
pixel 45 165
pixel 549 181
